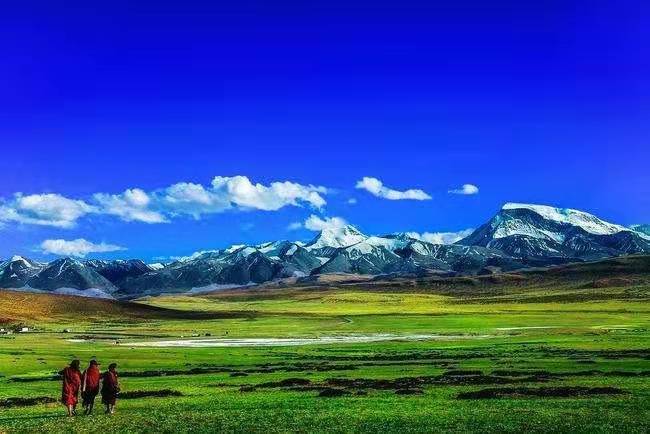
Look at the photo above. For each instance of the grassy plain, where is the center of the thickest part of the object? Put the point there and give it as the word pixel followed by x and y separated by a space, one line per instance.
pixel 564 352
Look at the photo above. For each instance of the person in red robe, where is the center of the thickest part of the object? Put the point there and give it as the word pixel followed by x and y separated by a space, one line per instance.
pixel 71 384
pixel 90 386
pixel 110 388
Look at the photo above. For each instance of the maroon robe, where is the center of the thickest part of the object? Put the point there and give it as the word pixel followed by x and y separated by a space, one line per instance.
pixel 71 384
pixel 110 387
pixel 90 384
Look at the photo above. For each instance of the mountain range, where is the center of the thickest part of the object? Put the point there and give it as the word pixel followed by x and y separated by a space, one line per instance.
pixel 518 236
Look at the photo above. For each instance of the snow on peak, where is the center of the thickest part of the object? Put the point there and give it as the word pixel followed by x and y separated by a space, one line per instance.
pixel 379 246
pixel 196 255
pixel 271 246
pixel 403 236
pixel 156 266
pixel 234 248
pixel 247 251
pixel 337 238
pixel 586 221
pixel 22 260
pixel 389 243
pixel 240 251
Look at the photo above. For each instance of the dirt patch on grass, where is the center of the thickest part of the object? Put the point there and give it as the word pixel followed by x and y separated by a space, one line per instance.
pixel 318 367
pixel 247 388
pixel 330 392
pixel 540 392
pixel 204 370
pixel 419 382
pixel 519 372
pixel 591 354
pixel 463 372
pixel 287 382
pixel 25 402
pixel 135 394
pixel 548 375
pixel 241 372
pixel 33 379
pixel 409 392
pixel 402 385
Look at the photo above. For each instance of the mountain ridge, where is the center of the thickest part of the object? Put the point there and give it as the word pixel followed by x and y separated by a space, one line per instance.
pixel 518 236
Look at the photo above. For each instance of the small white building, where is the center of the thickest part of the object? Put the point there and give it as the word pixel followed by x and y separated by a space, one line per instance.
pixel 23 330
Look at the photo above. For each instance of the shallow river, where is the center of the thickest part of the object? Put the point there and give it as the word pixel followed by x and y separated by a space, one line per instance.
pixel 276 342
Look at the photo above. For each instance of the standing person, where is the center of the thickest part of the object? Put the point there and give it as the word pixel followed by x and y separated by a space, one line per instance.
pixel 70 389
pixel 110 388
pixel 90 386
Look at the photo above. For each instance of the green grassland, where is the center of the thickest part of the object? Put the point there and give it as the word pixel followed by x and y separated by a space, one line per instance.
pixel 566 350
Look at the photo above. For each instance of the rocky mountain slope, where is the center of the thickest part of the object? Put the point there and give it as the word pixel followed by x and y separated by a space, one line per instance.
pixel 518 236
pixel 553 234
pixel 62 276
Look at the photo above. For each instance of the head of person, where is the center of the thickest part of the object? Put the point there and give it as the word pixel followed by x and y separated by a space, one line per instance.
pixel 75 364
pixel 93 362
pixel 112 366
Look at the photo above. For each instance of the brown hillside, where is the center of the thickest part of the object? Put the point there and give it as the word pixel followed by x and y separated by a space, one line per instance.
pixel 18 306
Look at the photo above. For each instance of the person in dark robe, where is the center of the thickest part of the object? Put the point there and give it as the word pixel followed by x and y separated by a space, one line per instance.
pixel 110 388
pixel 90 386
pixel 71 383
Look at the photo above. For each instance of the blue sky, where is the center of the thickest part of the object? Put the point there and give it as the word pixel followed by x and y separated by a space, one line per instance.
pixel 542 102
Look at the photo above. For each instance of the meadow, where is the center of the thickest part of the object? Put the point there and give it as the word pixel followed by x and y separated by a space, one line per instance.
pixel 554 354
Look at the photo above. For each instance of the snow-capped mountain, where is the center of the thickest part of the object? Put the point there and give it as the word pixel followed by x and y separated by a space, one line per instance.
pixel 119 271
pixel 460 259
pixel 539 231
pixel 235 266
pixel 369 256
pixel 401 253
pixel 16 272
pixel 588 222
pixel 330 239
pixel 70 276
pixel 156 266
pixel 292 254
pixel 518 236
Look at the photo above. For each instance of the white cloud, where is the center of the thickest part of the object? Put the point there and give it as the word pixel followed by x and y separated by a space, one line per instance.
pixel 44 209
pixel 377 188
pixel 132 205
pixel 162 205
pixel 192 199
pixel 225 193
pixel 466 189
pixel 352 201
pixel 242 192
pixel 79 247
pixel 440 237
pixel 317 224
